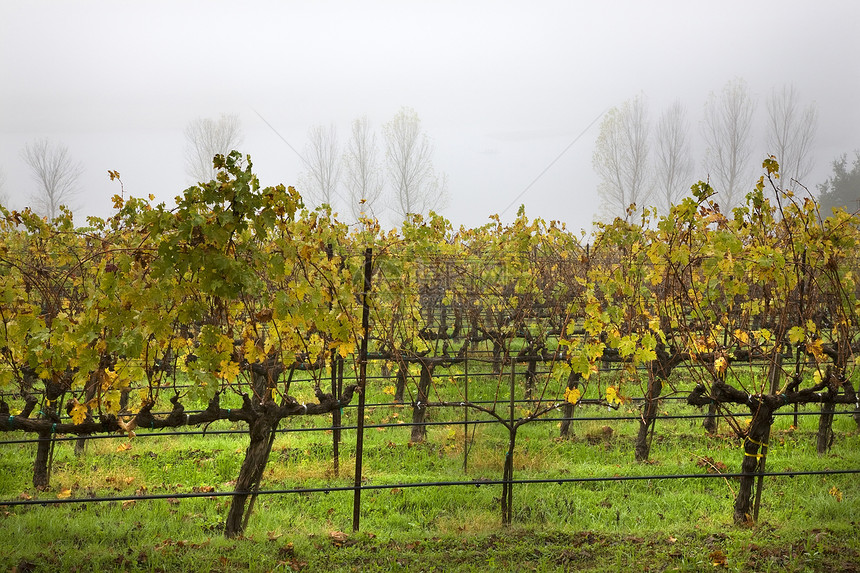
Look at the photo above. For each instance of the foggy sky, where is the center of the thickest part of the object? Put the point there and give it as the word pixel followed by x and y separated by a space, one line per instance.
pixel 501 87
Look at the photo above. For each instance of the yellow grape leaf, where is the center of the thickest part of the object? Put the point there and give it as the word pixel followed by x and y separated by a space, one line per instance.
pixel 64 494
pixel 107 378
pixel 816 348
pixel 816 376
pixel 572 395
pixel 720 364
pixel 78 413
pixel 796 334
pixel 123 447
pixel 346 348
pixel 612 395
pixel 390 390
pixel 229 370
pixel 718 559
pixel 110 401
pixel 834 491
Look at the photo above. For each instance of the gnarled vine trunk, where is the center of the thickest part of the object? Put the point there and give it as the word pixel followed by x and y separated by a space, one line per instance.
pixel 755 452
pixel 419 410
pixel 567 411
pixel 824 438
pixel 256 457
pixel 648 419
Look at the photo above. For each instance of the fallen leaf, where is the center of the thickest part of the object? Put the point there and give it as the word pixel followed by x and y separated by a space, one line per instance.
pixel 128 503
pixel 718 559
pixel 123 447
pixel 64 494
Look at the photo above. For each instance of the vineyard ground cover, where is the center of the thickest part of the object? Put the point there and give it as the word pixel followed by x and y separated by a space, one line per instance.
pixel 808 522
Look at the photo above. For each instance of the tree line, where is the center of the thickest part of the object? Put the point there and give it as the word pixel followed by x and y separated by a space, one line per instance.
pixel 638 161
pixel 358 176
pixel 652 164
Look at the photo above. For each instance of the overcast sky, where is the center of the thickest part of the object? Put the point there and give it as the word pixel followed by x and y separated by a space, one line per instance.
pixel 501 87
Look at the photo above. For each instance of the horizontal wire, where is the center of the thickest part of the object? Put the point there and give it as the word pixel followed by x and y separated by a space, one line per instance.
pixel 153 434
pixel 370 487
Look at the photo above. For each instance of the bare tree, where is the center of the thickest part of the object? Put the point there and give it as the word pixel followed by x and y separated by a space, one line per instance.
pixel 674 165
pixel 726 130
pixel 4 198
pixel 363 176
pixel 204 139
pixel 56 176
pixel 322 163
pixel 791 133
pixel 621 158
pixel 409 161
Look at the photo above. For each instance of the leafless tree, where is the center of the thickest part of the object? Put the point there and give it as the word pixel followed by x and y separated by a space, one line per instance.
pixel 417 189
pixel 621 159
pixel 322 164
pixel 363 175
pixel 4 199
pixel 791 133
pixel 56 176
pixel 726 129
pixel 674 165
pixel 204 139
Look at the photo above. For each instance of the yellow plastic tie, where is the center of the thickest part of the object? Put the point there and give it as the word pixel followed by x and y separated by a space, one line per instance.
pixel 759 456
pixel 757 443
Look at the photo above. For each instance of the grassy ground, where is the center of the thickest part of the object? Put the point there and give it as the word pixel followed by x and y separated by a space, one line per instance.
pixel 806 523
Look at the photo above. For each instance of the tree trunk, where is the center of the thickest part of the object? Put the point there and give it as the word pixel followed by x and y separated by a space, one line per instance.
pixel 497 357
pixel 419 410
pixel 40 464
pixel 531 376
pixel 567 412
pixel 256 457
pixel 92 388
pixel 648 418
pixel 400 386
pixel 755 449
pixel 825 427
pixel 507 479
pixel 711 420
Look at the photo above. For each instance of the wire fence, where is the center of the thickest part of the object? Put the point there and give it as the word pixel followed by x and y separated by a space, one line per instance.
pixel 401 424
pixel 465 423
pixel 370 487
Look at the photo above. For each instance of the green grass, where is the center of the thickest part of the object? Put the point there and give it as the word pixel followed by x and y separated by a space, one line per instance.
pixel 806 522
